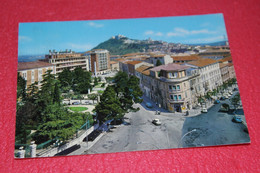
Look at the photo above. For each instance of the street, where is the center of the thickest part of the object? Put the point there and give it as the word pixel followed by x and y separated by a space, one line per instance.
pixel 213 128
pixel 176 131
pixel 141 134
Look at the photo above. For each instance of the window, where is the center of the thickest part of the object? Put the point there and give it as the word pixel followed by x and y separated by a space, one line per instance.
pixel 175 97
pixel 178 87
pixel 24 75
pixel 170 87
pixel 179 97
pixel 174 88
pixel 171 97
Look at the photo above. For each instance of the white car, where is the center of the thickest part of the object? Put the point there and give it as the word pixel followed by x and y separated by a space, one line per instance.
pixel 204 110
pixel 156 122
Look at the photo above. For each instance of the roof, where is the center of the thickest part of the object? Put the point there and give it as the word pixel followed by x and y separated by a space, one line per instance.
pixel 133 62
pixel 120 59
pixel 32 65
pixel 221 65
pixel 230 64
pixel 229 58
pixel 202 62
pixel 185 58
pixel 144 69
pixel 170 67
pixel 133 54
pixel 154 55
pixel 113 62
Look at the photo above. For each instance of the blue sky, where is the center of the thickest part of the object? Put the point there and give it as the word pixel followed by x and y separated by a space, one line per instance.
pixel 39 37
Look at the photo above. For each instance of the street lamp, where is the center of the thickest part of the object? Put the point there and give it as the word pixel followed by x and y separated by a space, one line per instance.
pixel 194 130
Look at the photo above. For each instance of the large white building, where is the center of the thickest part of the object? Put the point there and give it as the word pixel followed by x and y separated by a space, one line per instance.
pixel 67 60
pixel 210 74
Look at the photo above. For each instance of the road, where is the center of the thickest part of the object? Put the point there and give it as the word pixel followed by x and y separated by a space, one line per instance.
pixel 141 134
pixel 213 128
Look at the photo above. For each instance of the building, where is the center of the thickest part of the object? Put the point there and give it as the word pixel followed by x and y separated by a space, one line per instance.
pixel 209 73
pixel 164 59
pixel 34 71
pixel 170 87
pixel 114 65
pixel 99 61
pixel 67 60
pixel 184 59
pixel 224 70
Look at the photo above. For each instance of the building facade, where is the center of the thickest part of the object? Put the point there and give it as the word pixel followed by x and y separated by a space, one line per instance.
pixel 99 61
pixel 67 60
pixel 210 74
pixel 33 71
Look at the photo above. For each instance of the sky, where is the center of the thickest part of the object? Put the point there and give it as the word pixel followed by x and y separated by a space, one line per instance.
pixel 39 37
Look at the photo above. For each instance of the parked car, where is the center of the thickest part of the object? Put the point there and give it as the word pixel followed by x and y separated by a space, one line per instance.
pixel 204 110
pixel 224 108
pixel 149 105
pixel 75 103
pixel 216 101
pixel 237 119
pixel 222 98
pixel 156 122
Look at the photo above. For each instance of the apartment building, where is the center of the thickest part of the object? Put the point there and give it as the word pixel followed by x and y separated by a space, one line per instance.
pixel 67 60
pixel 34 71
pixel 209 73
pixel 99 61
pixel 170 87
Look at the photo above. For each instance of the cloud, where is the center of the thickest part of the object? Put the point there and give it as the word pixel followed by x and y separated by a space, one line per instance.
pixel 24 38
pixel 180 32
pixel 79 47
pixel 152 33
pixel 95 25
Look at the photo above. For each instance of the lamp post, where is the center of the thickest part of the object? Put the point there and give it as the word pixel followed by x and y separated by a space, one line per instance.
pixel 194 130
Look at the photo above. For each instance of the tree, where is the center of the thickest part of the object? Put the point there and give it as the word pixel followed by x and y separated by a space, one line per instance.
pixel 95 81
pixel 109 106
pixel 235 100
pixel 158 62
pixel 120 80
pixel 82 80
pixel 21 85
pixel 66 80
pixel 93 97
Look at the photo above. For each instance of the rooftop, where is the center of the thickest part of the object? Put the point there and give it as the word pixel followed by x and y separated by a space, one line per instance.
pixel 133 62
pixel 144 69
pixel 185 58
pixel 202 62
pixel 32 65
pixel 170 67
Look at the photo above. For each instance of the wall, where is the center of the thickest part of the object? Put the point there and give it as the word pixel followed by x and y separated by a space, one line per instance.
pixel 242 22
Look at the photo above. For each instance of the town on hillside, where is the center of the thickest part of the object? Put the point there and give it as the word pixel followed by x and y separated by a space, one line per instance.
pixel 164 95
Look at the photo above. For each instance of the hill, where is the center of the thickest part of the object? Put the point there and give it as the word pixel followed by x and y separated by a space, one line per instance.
pixel 219 43
pixel 122 46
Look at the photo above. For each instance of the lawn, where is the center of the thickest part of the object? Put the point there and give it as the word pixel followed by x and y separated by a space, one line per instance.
pixel 78 109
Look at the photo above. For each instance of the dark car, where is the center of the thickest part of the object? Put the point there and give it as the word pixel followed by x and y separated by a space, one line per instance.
pixel 75 103
pixel 237 119
pixel 222 98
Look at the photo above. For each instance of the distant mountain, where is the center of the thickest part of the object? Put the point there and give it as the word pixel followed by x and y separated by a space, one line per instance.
pixel 29 58
pixel 123 45
pixel 219 43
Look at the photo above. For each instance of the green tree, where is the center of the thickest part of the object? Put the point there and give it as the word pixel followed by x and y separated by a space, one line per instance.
pixel 95 81
pixel 82 80
pixel 158 62
pixel 66 80
pixel 93 97
pixel 235 100
pixel 21 85
pixel 109 106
